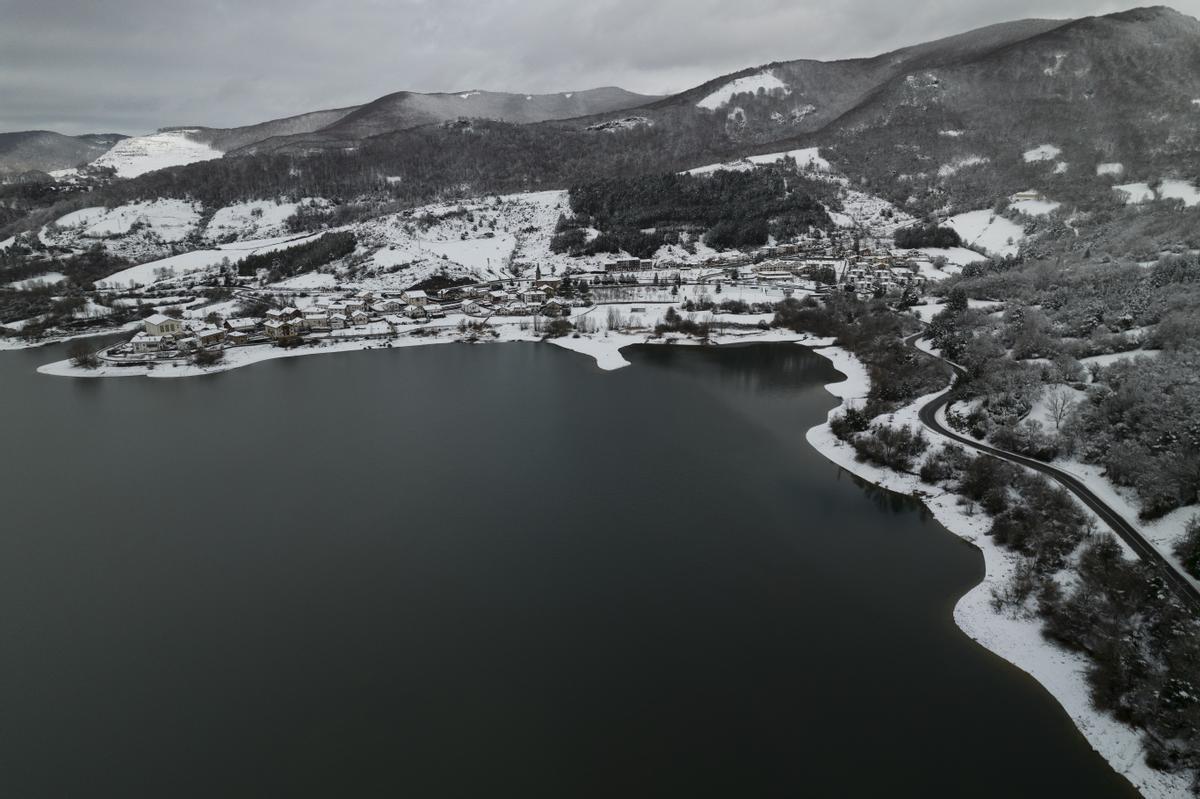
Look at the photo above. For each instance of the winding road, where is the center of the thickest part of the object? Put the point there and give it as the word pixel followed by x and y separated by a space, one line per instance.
pixel 1182 587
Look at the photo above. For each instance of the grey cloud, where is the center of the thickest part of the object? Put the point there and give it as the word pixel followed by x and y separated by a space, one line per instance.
pixel 135 65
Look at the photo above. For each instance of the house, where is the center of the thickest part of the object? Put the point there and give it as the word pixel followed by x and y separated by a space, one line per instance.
pixel 556 308
pixel 387 306
pixel 394 321
pixel 338 321
pixel 246 324
pixel 360 317
pixel 499 296
pixel 416 297
pixel 209 335
pixel 476 308
pixel 532 296
pixel 549 283
pixel 351 305
pixel 237 338
pixel 283 328
pixel 187 344
pixel 146 342
pixel 163 325
pixel 415 311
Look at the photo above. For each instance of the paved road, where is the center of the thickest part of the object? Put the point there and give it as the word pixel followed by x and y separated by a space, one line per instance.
pixel 1184 589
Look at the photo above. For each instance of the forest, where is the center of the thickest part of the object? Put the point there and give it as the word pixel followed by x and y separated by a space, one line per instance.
pixel 724 209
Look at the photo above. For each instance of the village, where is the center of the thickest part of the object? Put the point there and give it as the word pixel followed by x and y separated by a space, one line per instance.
pixel 186 330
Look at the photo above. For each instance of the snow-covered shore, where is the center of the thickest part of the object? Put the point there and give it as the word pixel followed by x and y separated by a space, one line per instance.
pixel 1017 639
pixel 604 348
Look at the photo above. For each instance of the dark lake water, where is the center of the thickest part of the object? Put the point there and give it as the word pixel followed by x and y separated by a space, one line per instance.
pixel 464 571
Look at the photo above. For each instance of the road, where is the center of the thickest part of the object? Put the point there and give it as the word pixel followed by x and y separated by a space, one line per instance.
pixel 1182 587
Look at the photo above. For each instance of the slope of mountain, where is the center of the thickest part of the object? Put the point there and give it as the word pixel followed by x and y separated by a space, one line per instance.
pixel 46 150
pixel 226 139
pixel 406 110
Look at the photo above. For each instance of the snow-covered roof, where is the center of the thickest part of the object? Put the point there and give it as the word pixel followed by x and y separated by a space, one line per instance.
pixel 158 319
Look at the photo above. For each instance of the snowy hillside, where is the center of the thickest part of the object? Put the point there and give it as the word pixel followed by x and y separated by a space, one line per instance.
pixel 142 154
pixel 764 81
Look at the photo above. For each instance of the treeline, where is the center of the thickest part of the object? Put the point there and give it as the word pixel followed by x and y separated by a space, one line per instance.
pixel 1142 644
pixel 873 332
pixel 728 209
pixel 926 235
pixel 300 258
pixel 436 162
pixel 1138 418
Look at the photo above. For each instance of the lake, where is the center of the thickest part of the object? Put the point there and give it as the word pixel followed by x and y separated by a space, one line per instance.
pixel 459 571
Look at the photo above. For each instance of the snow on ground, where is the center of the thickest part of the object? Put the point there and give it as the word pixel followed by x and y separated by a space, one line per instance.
pixel 953 134
pixel 1043 152
pixel 992 233
pixel 142 154
pixel 168 220
pixel 1112 168
pixel 764 80
pixel 1111 358
pixel 195 261
pixel 959 256
pixel 44 279
pixel 1180 190
pixel 4 245
pixel 1061 167
pixel 308 281
pixel 1018 639
pixel 1136 192
pixel 807 159
pixel 946 170
pixel 1033 207
pixel 1161 533
pixel 249 220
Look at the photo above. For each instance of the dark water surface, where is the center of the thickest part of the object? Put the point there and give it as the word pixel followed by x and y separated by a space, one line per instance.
pixel 464 571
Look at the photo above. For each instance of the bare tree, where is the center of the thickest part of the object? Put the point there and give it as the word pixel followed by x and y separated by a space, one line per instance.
pixel 81 355
pixel 1059 403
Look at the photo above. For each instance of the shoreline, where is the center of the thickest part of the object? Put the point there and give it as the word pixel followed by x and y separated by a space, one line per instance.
pixel 604 349
pixel 1015 639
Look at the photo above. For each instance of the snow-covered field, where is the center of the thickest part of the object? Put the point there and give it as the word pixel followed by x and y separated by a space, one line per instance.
pixel 249 220
pixel 764 80
pixel 1180 190
pixel 1039 207
pixel 46 279
pixel 195 261
pixel 1136 192
pixel 1111 168
pixel 988 231
pixel 1043 152
pixel 142 154
pixel 807 159
pixel 168 220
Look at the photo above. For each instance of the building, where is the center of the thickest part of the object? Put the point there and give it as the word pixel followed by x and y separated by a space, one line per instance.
pixel 338 321
pixel 245 324
pixel 532 296
pixel 145 342
pixel 416 297
pixel 163 325
pixel 360 317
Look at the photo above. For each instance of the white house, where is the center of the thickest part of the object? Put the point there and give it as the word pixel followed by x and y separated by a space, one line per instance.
pixel 338 321
pixel 163 325
pixel 145 342
pixel 416 297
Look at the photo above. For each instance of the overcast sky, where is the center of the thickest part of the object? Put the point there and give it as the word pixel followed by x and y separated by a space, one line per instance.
pixel 130 66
